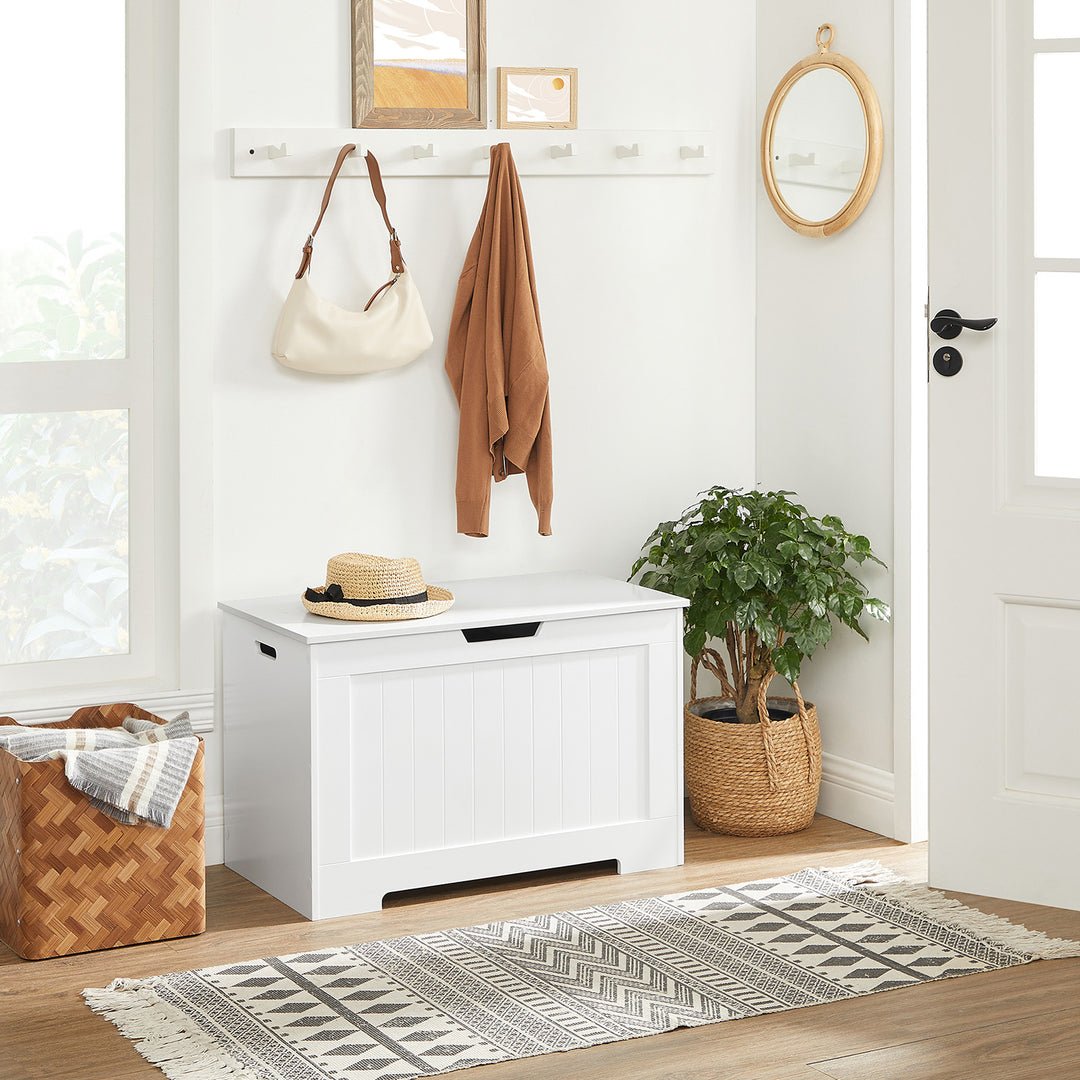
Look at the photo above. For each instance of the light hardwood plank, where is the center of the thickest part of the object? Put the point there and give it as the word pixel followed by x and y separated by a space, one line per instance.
pixel 1045 1047
pixel 791 1072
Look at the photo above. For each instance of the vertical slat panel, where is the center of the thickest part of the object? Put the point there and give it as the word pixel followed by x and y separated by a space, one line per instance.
pixel 604 736
pixel 490 757
pixel 576 748
pixel 459 745
pixel 399 753
pixel 665 705
pixel 331 778
pixel 428 767
pixel 547 744
pixel 365 759
pixel 632 734
pixel 518 729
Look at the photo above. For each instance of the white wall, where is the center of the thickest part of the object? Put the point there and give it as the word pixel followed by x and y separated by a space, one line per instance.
pixel 646 293
pixel 825 398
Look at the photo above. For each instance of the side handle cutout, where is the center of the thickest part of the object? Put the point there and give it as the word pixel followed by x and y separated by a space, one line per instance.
pixel 500 633
pixel 268 650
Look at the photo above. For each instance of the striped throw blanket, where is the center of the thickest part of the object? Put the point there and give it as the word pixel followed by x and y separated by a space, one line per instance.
pixel 135 773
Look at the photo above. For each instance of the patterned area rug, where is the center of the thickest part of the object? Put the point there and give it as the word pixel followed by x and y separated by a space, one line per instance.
pixel 452 999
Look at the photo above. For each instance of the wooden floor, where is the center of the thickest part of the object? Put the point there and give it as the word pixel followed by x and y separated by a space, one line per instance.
pixel 1004 1025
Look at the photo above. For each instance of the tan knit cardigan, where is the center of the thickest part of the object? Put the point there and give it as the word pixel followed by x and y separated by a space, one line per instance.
pixel 495 359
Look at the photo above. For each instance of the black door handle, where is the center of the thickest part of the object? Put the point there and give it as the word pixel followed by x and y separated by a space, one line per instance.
pixel 947 324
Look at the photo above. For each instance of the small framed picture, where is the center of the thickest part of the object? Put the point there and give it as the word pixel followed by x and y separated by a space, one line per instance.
pixel 538 97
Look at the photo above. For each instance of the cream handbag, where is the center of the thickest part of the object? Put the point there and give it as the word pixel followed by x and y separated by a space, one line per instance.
pixel 314 335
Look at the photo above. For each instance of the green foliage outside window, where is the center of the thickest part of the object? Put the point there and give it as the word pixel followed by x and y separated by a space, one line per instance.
pixel 63 475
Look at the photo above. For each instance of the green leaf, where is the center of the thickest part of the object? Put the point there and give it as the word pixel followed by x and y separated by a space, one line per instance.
pixel 655 579
pixel 879 609
pixel 41 280
pixel 50 242
pixel 694 640
pixel 787 660
pixel 743 576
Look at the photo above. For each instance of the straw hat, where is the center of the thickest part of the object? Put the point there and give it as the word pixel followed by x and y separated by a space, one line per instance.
pixel 369 587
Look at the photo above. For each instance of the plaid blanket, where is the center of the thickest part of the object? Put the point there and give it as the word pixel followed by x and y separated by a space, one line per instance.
pixel 135 773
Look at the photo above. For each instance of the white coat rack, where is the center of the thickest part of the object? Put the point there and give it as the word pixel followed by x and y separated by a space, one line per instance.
pixel 465 152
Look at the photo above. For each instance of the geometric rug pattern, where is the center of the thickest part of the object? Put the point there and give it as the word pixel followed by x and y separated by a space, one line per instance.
pixel 452 999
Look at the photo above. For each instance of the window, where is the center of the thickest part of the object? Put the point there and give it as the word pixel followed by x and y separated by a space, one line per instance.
pixel 86 484
pixel 1056 237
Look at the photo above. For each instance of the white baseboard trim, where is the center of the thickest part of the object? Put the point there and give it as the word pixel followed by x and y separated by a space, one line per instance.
pixel 199 703
pixel 857 794
pixel 215 830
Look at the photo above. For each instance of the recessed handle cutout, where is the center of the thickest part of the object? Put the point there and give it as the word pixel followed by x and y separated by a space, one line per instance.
pixel 500 633
pixel 268 650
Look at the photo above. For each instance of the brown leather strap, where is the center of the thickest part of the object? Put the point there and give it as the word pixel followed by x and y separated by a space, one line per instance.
pixel 305 260
pixel 375 294
pixel 397 263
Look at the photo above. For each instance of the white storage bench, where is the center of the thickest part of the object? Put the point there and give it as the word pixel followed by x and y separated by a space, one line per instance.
pixel 535 724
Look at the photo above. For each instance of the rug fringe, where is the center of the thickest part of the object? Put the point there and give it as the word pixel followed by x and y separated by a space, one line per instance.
pixel 921 899
pixel 160 1034
pixel 859 874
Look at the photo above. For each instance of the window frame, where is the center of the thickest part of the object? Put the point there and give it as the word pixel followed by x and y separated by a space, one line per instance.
pixel 1021 487
pixel 143 383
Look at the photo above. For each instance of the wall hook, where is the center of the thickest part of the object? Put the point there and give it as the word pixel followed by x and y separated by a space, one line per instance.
pixel 277 151
pixel 801 159
pixel 628 151
pixel 425 151
pixel 569 150
pixel 483 152
pixel 691 152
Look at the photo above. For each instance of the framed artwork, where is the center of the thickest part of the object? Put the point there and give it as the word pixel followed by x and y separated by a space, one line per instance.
pixel 538 97
pixel 419 63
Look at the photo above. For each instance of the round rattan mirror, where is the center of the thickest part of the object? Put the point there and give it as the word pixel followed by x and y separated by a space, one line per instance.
pixel 821 142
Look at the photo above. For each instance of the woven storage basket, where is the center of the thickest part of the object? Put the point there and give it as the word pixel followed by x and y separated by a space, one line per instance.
pixel 73 880
pixel 751 779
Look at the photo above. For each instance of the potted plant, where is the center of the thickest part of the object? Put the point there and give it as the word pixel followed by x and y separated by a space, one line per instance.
pixel 769 581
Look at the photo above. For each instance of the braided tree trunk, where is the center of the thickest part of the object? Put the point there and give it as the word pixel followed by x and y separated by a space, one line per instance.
pixel 751 672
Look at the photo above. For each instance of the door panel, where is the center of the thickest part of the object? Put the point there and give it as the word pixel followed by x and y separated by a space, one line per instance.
pixel 1004 511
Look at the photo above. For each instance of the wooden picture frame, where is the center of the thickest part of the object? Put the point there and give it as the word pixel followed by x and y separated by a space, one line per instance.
pixel 367 114
pixel 567 76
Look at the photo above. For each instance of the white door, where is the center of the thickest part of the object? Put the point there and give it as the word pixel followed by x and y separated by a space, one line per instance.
pixel 1004 236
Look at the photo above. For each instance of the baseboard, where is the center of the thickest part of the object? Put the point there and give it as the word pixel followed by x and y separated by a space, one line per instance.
pixel 199 703
pixel 857 794
pixel 215 830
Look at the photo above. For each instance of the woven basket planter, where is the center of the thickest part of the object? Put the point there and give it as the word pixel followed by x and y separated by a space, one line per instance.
pixel 74 880
pixel 752 779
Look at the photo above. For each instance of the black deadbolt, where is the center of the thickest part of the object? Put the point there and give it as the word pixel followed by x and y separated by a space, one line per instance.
pixel 948 361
